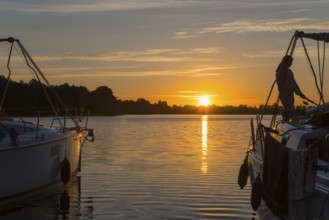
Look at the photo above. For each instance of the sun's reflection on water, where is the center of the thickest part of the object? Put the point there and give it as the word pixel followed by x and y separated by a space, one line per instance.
pixel 204 141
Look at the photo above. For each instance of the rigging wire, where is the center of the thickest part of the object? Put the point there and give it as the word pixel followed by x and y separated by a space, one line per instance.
pixel 36 72
pixel 34 69
pixel 271 90
pixel 321 69
pixel 313 72
pixel 47 83
pixel 323 62
pixel 25 55
pixel 319 63
pixel 9 75
pixel 23 59
pixel 290 48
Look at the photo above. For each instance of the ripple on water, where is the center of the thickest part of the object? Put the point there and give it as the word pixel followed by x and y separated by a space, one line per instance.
pixel 155 167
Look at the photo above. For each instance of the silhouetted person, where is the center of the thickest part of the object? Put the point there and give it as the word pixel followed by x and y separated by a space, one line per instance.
pixel 287 85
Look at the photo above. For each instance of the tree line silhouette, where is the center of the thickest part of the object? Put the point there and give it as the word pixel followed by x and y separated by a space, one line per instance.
pixel 23 98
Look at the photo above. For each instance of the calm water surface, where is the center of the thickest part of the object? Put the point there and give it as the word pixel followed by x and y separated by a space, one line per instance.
pixel 153 167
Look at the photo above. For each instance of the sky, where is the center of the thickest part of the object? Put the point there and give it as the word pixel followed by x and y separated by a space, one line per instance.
pixel 169 50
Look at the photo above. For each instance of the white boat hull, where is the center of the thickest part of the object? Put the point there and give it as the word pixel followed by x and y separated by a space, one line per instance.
pixel 30 167
pixel 33 156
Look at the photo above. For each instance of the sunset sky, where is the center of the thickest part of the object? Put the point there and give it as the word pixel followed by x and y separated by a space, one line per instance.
pixel 169 50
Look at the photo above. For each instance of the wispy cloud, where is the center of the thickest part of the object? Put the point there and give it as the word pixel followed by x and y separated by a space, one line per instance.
pixel 120 71
pixel 137 63
pixel 264 54
pixel 206 70
pixel 249 26
pixel 161 55
pixel 156 55
pixel 81 6
pixel 78 6
pixel 312 50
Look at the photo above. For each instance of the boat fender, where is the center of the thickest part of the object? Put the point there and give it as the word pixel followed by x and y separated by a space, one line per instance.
pixel 256 193
pixel 65 170
pixel 90 136
pixel 243 173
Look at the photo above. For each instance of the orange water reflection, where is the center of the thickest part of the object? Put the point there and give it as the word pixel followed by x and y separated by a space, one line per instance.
pixel 204 141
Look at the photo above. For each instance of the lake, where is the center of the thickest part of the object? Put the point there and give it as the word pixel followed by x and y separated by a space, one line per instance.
pixel 153 167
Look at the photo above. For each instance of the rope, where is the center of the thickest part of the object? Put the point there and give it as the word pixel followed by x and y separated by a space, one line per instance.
pixel 268 98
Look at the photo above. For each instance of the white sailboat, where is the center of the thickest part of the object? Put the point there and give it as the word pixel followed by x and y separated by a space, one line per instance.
pixel 33 156
pixel 288 160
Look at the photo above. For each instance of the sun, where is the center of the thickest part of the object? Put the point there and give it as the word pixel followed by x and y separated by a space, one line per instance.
pixel 204 100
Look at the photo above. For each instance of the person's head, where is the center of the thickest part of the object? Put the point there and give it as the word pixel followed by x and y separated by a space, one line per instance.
pixel 287 61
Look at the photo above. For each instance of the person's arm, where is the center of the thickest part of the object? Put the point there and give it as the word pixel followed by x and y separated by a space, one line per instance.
pixel 293 84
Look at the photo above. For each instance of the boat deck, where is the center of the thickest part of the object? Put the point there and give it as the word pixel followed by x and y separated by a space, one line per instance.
pixel 17 134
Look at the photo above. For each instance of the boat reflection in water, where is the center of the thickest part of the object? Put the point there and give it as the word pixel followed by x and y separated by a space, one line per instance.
pixel 204 139
pixel 59 203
